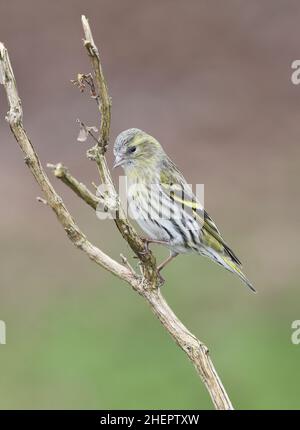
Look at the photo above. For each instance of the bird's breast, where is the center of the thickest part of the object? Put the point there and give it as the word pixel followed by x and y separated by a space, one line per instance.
pixel 161 219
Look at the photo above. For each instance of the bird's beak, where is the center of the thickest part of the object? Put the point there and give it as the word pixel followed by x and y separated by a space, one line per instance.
pixel 118 162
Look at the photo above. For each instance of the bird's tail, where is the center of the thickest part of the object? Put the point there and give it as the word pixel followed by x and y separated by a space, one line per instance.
pixel 227 262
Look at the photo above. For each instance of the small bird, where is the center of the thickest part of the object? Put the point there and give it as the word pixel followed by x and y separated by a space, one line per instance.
pixel 164 206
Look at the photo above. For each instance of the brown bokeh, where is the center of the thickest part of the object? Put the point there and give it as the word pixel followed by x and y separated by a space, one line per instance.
pixel 211 80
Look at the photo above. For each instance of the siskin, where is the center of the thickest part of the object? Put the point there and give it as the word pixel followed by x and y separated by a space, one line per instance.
pixel 164 206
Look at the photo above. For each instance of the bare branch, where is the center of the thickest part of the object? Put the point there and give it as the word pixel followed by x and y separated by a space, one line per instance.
pixel 105 101
pixel 62 172
pixel 145 285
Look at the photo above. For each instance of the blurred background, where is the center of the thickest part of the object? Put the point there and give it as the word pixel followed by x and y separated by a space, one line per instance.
pixel 211 81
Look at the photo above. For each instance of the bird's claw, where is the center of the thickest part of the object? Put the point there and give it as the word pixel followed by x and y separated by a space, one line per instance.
pixel 146 247
pixel 160 279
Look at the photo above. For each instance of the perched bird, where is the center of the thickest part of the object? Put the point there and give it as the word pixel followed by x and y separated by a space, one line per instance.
pixel 164 206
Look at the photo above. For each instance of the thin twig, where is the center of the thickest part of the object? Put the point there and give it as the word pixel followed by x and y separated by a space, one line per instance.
pixel 62 173
pixel 105 100
pixel 82 81
pixel 94 186
pixel 86 131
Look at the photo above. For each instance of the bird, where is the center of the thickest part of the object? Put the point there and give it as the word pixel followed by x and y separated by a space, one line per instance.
pixel 164 205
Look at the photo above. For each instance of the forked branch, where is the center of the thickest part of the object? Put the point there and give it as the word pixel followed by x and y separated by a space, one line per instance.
pixel 146 285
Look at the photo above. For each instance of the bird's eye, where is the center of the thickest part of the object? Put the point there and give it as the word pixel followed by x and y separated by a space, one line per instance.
pixel 132 149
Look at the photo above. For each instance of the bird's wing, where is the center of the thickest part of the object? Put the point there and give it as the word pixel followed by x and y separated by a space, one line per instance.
pixel 174 184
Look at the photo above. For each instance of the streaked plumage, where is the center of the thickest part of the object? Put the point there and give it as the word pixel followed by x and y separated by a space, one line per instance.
pixel 164 205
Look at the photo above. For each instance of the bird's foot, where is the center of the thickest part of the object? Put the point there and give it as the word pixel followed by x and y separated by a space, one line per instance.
pixel 147 243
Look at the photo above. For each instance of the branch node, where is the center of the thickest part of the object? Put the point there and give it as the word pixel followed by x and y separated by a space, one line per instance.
pixel 59 170
pixel 27 160
pixel 93 153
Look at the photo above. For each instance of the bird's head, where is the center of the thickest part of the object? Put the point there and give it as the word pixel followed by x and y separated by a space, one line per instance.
pixel 136 149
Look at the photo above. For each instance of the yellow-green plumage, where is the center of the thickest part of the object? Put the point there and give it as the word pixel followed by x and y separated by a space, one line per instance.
pixel 164 205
